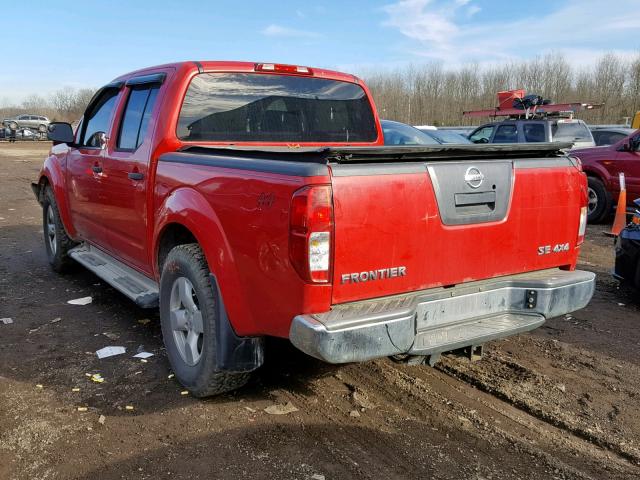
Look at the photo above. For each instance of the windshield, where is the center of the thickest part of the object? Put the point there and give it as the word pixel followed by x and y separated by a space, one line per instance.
pixel 570 132
pixel 396 133
pixel 231 107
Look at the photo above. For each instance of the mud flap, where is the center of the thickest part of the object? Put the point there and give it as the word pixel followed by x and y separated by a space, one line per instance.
pixel 36 191
pixel 234 353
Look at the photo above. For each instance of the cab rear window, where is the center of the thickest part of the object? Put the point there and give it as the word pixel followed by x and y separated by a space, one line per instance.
pixel 234 107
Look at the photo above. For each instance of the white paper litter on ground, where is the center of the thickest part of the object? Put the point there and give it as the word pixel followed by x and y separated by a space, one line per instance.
pixel 80 301
pixel 143 355
pixel 6 321
pixel 110 352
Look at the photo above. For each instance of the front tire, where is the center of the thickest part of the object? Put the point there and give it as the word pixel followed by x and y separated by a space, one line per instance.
pixel 599 201
pixel 188 312
pixel 56 241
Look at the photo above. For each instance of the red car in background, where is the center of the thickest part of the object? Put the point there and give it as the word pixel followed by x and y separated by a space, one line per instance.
pixel 603 166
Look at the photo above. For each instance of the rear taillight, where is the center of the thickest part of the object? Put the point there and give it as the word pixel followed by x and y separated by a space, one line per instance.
pixel 582 228
pixel 584 199
pixel 311 232
pixel 576 162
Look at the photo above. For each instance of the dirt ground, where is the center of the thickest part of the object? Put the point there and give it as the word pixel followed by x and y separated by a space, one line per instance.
pixel 561 402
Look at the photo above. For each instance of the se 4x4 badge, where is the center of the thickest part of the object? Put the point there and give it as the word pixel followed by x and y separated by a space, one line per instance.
pixel 557 248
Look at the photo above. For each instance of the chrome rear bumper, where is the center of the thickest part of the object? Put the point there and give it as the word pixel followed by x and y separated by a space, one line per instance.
pixel 441 319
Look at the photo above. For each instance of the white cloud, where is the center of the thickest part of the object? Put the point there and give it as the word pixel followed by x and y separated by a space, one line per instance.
pixel 442 30
pixel 274 30
pixel 415 20
pixel 472 10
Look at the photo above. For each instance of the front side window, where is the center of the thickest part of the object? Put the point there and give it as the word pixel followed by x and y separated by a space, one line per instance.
pixel 248 107
pixel 98 119
pixel 136 117
pixel 482 135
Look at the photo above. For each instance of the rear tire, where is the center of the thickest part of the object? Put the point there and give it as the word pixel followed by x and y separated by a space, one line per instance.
pixel 188 312
pixel 599 201
pixel 56 241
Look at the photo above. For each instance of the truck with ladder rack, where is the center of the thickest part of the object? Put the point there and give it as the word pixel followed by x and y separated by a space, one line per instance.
pixel 531 119
pixel 247 200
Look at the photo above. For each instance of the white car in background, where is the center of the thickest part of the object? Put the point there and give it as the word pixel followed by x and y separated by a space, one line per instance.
pixel 36 123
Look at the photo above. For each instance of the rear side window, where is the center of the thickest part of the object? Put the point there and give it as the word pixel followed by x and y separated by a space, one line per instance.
pixel 98 119
pixel 570 132
pixel 533 132
pixel 228 107
pixel 506 134
pixel 136 117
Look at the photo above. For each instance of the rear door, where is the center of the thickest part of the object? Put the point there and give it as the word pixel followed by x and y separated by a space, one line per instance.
pixel 126 172
pixel 411 226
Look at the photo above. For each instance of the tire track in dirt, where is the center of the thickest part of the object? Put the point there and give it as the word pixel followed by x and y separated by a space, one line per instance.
pixel 535 394
pixel 430 388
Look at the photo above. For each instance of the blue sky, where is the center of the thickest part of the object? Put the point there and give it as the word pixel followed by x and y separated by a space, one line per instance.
pixel 87 43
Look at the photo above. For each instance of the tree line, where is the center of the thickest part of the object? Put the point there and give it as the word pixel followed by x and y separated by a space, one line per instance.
pixel 434 95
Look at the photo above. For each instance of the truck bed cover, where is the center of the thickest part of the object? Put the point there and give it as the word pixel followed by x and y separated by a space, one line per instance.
pixel 324 155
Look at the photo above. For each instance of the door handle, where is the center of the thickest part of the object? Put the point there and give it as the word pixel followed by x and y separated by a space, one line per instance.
pixel 96 169
pixel 136 176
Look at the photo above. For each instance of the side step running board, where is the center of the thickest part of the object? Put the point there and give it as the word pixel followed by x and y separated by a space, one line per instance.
pixel 133 284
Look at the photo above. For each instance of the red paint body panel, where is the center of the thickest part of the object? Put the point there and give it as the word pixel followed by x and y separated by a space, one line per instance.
pixel 53 171
pixel 544 210
pixel 380 220
pixel 246 246
pixel 608 162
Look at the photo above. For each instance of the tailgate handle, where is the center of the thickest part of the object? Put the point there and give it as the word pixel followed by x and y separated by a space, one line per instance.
pixel 479 198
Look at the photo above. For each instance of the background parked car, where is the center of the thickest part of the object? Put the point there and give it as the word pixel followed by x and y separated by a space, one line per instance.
pixel 37 123
pixel 445 136
pixel 609 135
pixel 542 130
pixel 397 133
pixel 602 166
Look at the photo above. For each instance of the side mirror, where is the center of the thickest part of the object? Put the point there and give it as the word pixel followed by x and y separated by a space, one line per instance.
pixel 634 144
pixel 60 132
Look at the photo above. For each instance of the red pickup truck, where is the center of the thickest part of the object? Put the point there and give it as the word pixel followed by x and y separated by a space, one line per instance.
pixel 250 200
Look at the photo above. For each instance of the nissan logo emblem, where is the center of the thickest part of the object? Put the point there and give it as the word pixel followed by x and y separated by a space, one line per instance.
pixel 473 177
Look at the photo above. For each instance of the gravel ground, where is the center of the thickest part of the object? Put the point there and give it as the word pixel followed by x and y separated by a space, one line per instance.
pixel 561 402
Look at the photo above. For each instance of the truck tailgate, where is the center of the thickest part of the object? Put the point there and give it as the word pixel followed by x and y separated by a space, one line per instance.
pixel 402 227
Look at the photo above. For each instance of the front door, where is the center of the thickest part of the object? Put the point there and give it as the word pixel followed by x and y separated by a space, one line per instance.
pixel 126 178
pixel 628 162
pixel 85 169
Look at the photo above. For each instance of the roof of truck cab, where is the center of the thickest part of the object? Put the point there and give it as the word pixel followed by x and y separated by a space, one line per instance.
pixel 210 66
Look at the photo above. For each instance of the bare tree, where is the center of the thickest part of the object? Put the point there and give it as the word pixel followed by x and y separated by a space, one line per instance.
pixel 431 94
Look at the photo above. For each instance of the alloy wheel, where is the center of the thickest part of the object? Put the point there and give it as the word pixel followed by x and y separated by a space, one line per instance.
pixel 186 321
